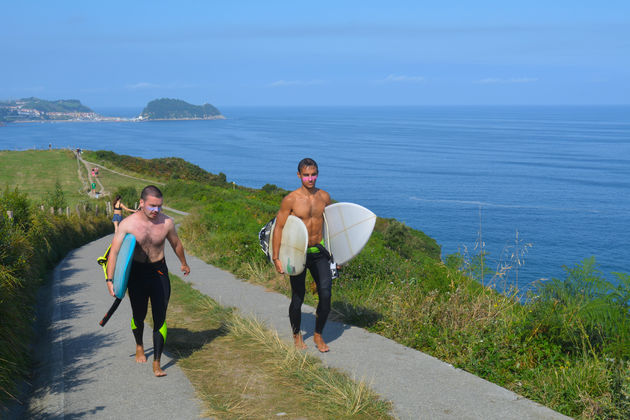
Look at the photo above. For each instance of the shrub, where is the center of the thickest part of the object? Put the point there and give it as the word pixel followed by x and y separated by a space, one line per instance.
pixel 57 199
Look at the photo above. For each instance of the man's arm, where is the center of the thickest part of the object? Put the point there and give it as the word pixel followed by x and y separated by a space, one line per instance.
pixel 327 199
pixel 113 256
pixel 178 247
pixel 281 220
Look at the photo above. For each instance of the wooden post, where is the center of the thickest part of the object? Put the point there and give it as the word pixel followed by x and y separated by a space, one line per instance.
pixel 10 214
pixel 52 210
pixel 67 211
pixel 41 207
pixel 78 212
pixel 59 211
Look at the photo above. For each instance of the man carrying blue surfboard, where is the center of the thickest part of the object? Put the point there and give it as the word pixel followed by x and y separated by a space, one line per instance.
pixel 149 274
pixel 307 203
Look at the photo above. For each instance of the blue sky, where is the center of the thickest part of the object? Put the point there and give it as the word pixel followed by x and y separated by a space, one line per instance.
pixel 317 53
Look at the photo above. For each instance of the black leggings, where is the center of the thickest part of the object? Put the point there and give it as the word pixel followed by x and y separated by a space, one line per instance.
pixel 149 281
pixel 319 266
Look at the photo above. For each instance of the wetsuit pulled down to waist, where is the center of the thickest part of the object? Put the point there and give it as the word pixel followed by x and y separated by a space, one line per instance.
pixel 149 281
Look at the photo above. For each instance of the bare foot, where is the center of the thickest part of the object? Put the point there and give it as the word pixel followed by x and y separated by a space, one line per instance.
pixel 299 341
pixel 320 343
pixel 140 357
pixel 157 370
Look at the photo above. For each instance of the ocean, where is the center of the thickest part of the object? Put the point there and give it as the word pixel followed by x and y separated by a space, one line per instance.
pixel 550 185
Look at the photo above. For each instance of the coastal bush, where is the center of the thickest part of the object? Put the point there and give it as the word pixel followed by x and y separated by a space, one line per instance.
pixel 163 169
pixel 56 199
pixel 30 245
pixel 128 195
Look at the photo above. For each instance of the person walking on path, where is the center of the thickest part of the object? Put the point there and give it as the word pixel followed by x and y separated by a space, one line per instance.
pixel 149 275
pixel 118 208
pixel 307 203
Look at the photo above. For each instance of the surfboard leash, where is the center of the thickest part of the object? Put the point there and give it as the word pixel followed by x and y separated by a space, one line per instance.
pixel 110 312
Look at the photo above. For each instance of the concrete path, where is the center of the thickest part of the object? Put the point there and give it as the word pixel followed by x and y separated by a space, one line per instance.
pixel 86 371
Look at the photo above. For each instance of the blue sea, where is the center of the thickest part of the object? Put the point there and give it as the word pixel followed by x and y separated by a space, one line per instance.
pixel 550 185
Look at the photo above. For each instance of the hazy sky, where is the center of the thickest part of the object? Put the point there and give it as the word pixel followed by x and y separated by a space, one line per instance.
pixel 317 53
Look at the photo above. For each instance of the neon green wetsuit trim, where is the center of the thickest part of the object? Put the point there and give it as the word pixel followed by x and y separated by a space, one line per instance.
pixel 163 331
pixel 314 249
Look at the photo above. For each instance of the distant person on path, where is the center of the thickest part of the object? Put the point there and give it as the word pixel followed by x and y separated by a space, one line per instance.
pixel 307 203
pixel 149 274
pixel 118 208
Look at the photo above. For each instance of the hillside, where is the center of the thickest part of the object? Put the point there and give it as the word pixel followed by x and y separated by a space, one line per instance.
pixel 566 345
pixel 176 109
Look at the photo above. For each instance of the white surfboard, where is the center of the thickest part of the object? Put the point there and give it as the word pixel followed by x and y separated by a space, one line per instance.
pixel 292 247
pixel 347 229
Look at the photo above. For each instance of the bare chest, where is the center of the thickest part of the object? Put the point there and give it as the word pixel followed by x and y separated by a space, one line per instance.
pixel 308 208
pixel 150 239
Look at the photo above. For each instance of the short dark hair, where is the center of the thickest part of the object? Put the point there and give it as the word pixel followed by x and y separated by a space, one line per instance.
pixel 307 162
pixel 151 190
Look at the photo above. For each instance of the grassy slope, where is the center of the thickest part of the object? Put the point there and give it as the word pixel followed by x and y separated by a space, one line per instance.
pixel 37 171
pixel 567 348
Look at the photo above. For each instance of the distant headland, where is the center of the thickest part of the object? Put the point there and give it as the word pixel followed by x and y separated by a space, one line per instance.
pixel 41 110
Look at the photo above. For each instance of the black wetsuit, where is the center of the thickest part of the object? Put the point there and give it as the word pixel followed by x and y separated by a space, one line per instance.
pixel 319 266
pixel 149 281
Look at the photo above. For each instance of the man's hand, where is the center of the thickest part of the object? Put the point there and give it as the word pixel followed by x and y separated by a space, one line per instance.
pixel 185 269
pixel 278 265
pixel 110 287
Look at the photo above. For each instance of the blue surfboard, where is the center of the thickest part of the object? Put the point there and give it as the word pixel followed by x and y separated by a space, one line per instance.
pixel 121 273
pixel 123 265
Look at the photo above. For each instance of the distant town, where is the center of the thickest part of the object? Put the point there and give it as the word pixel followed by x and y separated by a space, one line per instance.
pixel 40 110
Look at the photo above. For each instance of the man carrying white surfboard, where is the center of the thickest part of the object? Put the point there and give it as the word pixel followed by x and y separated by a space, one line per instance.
pixel 308 204
pixel 149 274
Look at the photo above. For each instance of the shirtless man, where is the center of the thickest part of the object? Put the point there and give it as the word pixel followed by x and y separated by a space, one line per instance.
pixel 149 274
pixel 307 203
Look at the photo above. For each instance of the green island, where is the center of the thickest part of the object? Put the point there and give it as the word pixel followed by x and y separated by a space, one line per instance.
pixel 176 109
pixel 566 345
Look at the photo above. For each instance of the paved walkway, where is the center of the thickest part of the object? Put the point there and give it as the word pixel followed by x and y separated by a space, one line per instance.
pixel 86 371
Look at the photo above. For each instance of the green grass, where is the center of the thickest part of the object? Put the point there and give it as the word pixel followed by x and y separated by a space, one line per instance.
pixel 36 171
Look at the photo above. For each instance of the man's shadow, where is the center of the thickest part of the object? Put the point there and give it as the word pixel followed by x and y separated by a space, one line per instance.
pixel 341 318
pixel 181 343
